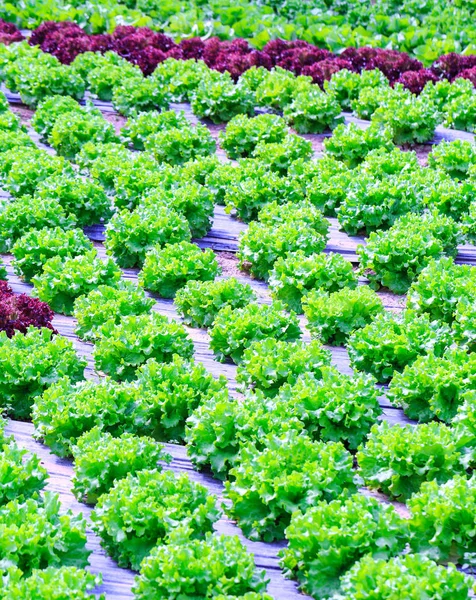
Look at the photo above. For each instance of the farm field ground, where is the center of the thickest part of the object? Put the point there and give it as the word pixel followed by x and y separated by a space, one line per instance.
pixel 361 458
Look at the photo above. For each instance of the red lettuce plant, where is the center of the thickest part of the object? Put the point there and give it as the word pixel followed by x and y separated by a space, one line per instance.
pixel 415 81
pixel 19 311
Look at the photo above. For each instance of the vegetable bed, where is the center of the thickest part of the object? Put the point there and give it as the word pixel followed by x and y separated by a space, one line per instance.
pixel 268 405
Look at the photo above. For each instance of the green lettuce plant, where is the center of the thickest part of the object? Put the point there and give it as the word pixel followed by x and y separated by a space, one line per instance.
pixel 332 318
pixel 22 475
pixel 168 269
pixel 398 459
pixel 219 564
pixel 36 246
pixel 177 146
pixel 411 576
pixel 36 535
pixel 30 364
pixel 268 364
pixel 83 198
pixel 169 393
pixel 292 473
pixel 235 329
pixel 432 387
pixel 320 551
pixel 107 302
pixel 394 258
pixel 243 134
pixel 66 411
pixel 130 235
pixel 392 341
pixel 333 406
pixel 101 459
pixel 64 279
pixel 122 348
pixel 199 302
pixel 141 511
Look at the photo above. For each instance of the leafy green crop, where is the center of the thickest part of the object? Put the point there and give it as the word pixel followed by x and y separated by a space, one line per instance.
pixel 221 178
pixel 393 341
pixel 235 329
pixel 137 177
pixel 101 459
pixel 412 577
pixel 107 302
pixel 218 428
pixel 296 274
pixel 321 550
pixel 278 86
pixel 333 317
pixel 72 130
pixel 169 392
pixel 65 411
pixel 372 203
pixel 31 363
pixel 440 288
pixel 394 258
pixel 140 127
pixel 21 473
pixel 50 109
pixel 64 279
pixel 191 199
pixel 346 85
pixel 432 387
pixel 312 111
pixel 199 302
pixel 351 144
pixel 219 564
pixel 412 120
pixel 177 146
pixel 37 82
pixel 399 459
pixel 464 326
pixel 168 269
pixel 278 157
pixel 135 96
pixel 34 535
pixel 269 364
pixel 243 134
pixel 260 246
pixel 130 235
pixel 442 520
pixel 247 193
pixel 83 198
pixel 460 112
pixel 291 473
pixel 122 348
pixel 142 511
pixel 333 406
pixel 103 79
pixel 370 99
pixel 450 196
pixel 22 169
pixel 54 583
pixel 181 77
pixel 35 247
pixel 219 99
pixel 102 161
pixel 26 214
pixel 455 158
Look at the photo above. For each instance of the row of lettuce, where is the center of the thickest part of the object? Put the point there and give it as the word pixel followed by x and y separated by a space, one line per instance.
pixel 214 95
pixel 147 48
pixel 425 29
pixel 286 452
